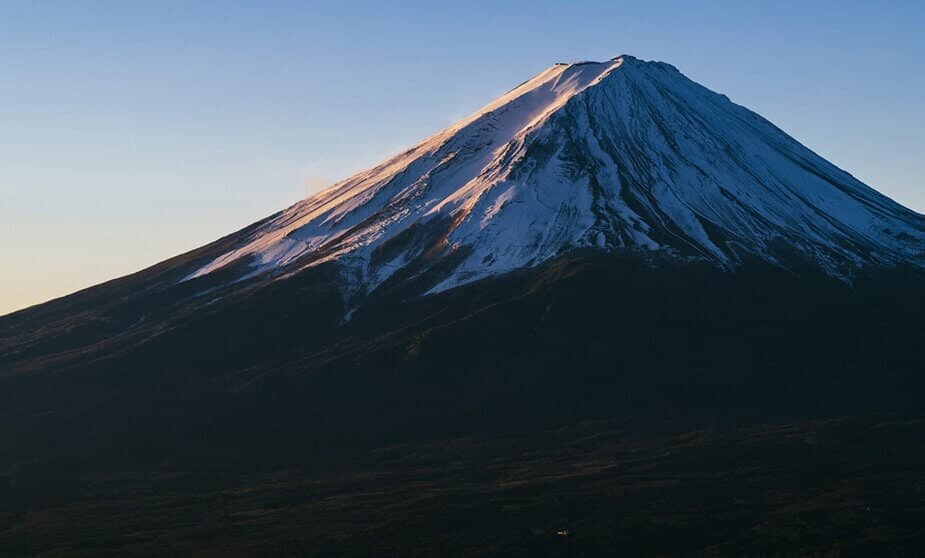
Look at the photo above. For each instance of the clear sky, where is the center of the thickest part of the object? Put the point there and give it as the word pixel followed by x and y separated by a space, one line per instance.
pixel 132 131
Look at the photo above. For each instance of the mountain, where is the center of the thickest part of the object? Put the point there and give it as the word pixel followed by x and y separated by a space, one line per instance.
pixel 617 155
pixel 610 310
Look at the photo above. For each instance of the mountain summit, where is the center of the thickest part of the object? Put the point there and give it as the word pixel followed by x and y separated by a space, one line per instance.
pixel 618 155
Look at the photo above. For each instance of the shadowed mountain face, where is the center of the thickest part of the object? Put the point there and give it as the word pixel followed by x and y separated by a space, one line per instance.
pixel 611 303
pixel 667 409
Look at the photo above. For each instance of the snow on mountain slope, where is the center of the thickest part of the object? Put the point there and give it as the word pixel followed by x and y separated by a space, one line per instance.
pixel 623 154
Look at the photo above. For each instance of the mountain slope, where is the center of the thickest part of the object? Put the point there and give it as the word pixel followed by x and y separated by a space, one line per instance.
pixel 618 155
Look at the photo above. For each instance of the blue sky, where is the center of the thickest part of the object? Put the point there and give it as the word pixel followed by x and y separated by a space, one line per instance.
pixel 132 131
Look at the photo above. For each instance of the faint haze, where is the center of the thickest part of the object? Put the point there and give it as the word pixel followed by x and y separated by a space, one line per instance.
pixel 131 132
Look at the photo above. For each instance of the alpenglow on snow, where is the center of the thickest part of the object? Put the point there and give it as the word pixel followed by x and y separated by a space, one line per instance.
pixel 622 155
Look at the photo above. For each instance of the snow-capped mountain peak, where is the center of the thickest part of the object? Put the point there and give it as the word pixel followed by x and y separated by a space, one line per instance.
pixel 618 155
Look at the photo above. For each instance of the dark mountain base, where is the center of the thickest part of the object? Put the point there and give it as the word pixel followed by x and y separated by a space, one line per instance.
pixel 647 408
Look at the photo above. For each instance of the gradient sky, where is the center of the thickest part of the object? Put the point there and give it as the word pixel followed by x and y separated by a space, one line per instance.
pixel 132 131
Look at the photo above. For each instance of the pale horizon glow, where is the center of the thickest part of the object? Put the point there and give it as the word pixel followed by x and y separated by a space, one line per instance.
pixel 132 133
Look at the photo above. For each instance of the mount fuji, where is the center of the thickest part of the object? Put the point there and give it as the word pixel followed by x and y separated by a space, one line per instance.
pixel 610 311
pixel 622 155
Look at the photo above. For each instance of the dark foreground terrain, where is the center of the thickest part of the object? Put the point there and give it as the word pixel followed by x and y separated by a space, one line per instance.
pixel 595 406
pixel 833 487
